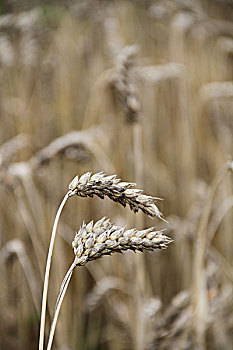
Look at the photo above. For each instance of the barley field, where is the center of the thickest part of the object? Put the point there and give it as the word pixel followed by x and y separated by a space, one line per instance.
pixel 142 90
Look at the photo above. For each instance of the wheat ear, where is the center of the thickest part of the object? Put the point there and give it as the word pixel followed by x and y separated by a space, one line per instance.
pixel 101 185
pixel 93 241
pixel 104 238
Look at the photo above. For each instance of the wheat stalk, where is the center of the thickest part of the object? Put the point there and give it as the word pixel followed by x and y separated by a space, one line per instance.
pixel 93 241
pixel 47 272
pixel 200 306
pixel 100 185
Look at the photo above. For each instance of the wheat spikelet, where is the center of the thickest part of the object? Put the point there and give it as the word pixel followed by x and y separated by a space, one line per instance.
pixel 104 238
pixel 101 185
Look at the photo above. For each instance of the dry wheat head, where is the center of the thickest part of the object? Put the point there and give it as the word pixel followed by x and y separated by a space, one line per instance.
pixel 101 185
pixel 92 241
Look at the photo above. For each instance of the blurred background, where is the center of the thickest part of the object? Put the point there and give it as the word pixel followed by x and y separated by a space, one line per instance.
pixel 144 90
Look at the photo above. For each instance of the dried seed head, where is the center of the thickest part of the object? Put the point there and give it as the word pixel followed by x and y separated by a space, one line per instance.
pixel 122 192
pixel 88 245
pixel 123 84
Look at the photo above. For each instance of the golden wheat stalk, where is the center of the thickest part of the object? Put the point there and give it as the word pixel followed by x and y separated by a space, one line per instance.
pixel 93 241
pixel 47 272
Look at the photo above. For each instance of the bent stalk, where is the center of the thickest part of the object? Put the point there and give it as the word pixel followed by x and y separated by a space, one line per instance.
pixel 47 271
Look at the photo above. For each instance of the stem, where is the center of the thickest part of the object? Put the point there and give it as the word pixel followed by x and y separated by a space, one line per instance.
pixel 47 271
pixel 140 280
pixel 58 304
pixel 199 292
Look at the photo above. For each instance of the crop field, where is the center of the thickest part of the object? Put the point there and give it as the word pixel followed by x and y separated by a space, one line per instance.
pixel 142 90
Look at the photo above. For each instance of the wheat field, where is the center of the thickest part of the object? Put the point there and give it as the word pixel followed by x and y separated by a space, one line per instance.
pixel 144 90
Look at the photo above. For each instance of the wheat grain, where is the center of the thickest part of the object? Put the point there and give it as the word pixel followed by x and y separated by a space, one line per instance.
pixel 101 185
